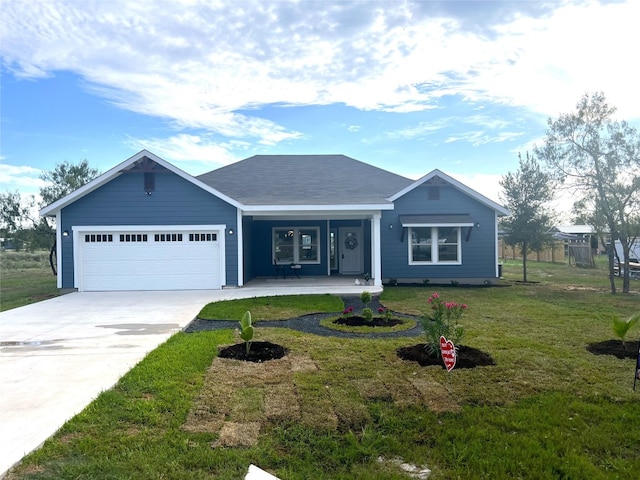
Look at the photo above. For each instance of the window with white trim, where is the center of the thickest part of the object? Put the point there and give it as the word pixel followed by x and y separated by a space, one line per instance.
pixel 296 245
pixel 431 245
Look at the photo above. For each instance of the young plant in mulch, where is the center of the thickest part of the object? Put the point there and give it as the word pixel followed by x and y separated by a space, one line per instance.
pixel 367 313
pixel 251 351
pixel 365 298
pixel 386 314
pixel 366 318
pixel 443 321
pixel 618 347
pixel 246 330
pixel 622 326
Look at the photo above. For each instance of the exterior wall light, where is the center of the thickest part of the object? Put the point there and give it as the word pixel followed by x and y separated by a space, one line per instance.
pixel 231 231
pixel 65 233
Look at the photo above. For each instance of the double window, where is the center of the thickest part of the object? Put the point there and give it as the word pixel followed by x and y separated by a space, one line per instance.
pixel 296 245
pixel 429 245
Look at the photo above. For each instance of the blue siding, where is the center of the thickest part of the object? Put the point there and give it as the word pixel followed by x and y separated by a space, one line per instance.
pixel 478 253
pixel 175 201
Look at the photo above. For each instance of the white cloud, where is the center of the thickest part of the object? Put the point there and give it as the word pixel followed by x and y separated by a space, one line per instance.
pixel 194 154
pixel 422 129
pixel 23 178
pixel 477 138
pixel 485 184
pixel 209 65
pixel 489 186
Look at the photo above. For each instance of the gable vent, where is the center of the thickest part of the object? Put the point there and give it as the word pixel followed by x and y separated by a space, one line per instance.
pixel 149 182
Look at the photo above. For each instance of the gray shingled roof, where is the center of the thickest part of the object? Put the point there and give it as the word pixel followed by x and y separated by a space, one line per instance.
pixel 304 180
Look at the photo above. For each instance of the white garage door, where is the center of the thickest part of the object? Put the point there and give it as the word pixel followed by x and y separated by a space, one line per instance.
pixel 162 259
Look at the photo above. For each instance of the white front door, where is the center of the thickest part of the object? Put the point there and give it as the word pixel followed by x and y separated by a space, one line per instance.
pixel 350 248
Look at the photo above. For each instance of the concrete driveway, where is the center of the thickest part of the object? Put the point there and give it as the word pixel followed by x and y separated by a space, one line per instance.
pixel 56 356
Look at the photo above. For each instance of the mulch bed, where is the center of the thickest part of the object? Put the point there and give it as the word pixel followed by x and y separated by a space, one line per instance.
pixel 358 321
pixel 258 353
pixel 614 347
pixel 468 357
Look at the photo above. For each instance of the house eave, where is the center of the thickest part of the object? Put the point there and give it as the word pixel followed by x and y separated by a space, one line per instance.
pixel 52 209
pixel 500 210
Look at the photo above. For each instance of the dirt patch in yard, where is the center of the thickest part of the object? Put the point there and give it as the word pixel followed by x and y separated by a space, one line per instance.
pixel 615 348
pixel 468 357
pixel 258 352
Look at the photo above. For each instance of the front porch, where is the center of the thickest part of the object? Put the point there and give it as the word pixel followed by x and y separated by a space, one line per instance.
pixel 320 249
pixel 342 284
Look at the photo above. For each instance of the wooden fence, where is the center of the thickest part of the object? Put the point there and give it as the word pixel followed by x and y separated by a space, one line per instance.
pixel 555 253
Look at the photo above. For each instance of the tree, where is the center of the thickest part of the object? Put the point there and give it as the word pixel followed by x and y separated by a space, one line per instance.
pixel 61 181
pixel 64 179
pixel 19 221
pixel 526 194
pixel 19 215
pixel 598 158
pixel 14 211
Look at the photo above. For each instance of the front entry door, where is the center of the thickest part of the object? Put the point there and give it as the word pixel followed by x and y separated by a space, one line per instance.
pixel 350 248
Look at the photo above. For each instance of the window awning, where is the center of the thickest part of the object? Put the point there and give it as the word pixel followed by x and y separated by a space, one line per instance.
pixel 459 220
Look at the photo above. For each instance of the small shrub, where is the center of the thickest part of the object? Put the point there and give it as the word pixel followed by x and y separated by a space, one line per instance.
pixel 425 282
pixel 365 298
pixel 367 313
pixel 386 313
pixel 347 312
pixel 442 321
pixel 393 281
pixel 246 330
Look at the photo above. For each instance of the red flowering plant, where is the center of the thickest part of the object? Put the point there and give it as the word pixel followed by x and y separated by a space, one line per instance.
pixel 347 312
pixel 386 313
pixel 442 320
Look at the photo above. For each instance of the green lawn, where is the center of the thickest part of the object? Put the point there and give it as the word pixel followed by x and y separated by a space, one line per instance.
pixel 271 308
pixel 345 409
pixel 25 277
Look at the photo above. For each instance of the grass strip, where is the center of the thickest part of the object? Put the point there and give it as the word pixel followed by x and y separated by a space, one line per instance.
pixel 272 308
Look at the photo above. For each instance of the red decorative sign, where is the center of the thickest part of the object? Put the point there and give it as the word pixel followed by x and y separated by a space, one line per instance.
pixel 448 352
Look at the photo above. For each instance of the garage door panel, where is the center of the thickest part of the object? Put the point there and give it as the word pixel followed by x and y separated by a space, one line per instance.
pixel 167 260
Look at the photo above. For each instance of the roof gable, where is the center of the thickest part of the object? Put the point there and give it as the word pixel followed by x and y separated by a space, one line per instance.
pixel 439 175
pixel 281 180
pixel 141 161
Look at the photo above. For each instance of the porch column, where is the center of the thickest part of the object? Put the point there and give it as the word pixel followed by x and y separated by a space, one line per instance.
pixel 240 237
pixel 376 258
pixel 59 248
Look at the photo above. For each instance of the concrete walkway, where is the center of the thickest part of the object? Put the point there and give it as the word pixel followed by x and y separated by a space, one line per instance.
pixel 56 356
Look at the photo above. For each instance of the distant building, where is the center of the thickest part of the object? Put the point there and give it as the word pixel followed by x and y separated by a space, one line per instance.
pixel 580 242
pixel 576 235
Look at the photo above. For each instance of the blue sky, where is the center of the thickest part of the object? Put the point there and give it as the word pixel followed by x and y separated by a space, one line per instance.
pixel 462 86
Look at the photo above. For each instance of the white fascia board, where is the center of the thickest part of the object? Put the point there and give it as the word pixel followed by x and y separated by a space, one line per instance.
pixel 503 212
pixel 117 171
pixel 294 209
